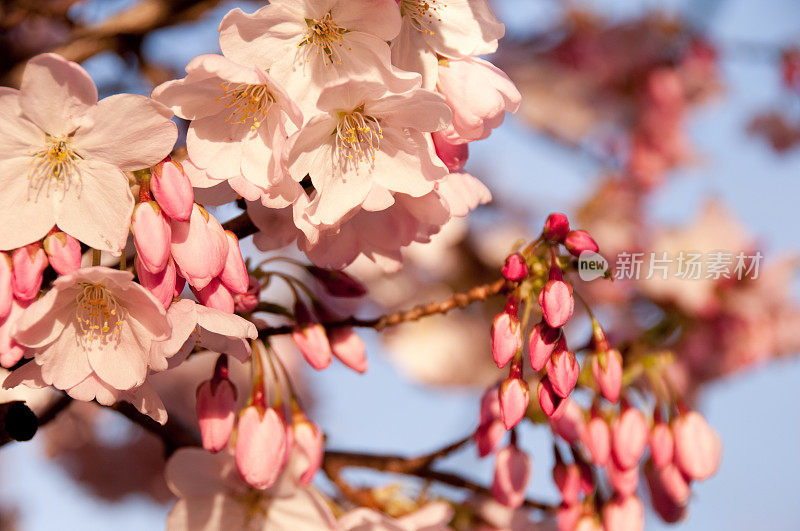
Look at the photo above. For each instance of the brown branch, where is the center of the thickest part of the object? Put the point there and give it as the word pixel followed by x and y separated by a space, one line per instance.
pixel 119 31
pixel 421 467
pixel 173 434
pixel 458 300
pixel 47 415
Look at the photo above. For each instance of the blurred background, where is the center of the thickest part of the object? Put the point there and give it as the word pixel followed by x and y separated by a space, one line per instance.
pixel 655 125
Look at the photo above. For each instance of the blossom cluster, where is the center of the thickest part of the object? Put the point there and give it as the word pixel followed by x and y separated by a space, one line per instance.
pixel 338 140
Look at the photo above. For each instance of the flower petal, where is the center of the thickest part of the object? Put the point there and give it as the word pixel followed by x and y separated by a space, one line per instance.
pixel 98 211
pixel 64 362
pixel 55 93
pixel 44 320
pixel 129 131
pixel 121 364
pixel 24 220
pixel 17 134
pixel 376 17
pixel 260 38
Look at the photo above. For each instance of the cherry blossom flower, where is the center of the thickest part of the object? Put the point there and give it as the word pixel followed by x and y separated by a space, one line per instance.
pixel 377 148
pixel 453 29
pixel 63 155
pixel 479 94
pixel 379 236
pixel 90 336
pixel 307 45
pixel 212 495
pixel 194 325
pixel 238 122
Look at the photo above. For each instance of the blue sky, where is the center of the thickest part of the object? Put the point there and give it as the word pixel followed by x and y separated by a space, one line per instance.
pixel 755 412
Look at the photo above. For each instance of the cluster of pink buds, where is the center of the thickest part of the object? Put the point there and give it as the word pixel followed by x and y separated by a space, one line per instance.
pixel 266 432
pixel 21 277
pixel 316 343
pixel 178 241
pixel 611 439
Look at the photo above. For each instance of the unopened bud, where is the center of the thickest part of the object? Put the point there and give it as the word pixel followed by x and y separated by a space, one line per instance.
pixel 64 252
pixel 29 263
pixel 579 241
pixel 172 189
pixel 556 227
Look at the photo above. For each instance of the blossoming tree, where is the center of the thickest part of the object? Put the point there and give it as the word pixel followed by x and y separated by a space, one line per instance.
pixel 182 258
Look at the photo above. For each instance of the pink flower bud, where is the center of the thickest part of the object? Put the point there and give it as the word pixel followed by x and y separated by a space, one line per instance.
pixel 454 156
pixel 623 481
pixel 6 285
pixel 161 284
pixel 661 445
pixel 628 437
pixel 556 227
pixel 597 439
pixel 698 448
pixel 199 247
pixel 488 436
pixel 552 405
pixel 180 283
pixel 308 438
pixel 337 283
pixel 664 505
pixel 607 372
pixel 29 263
pixel 623 514
pixel 246 302
pixel 514 398
pixel 674 483
pixel 571 426
pixel 151 236
pixel 490 405
pixel 216 413
pixel 215 295
pixel 515 268
pixel 349 348
pixel 563 370
pixel 11 351
pixel 567 517
pixel 556 302
pixel 234 272
pixel 578 241
pixel 541 344
pixel 260 446
pixel 172 189
pixel 512 471
pixel 313 343
pixel 567 478
pixel 506 338
pixel 64 252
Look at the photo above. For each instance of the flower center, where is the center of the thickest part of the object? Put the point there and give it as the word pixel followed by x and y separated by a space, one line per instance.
pixel 99 315
pixel 54 167
pixel 358 138
pixel 423 13
pixel 248 103
pixel 326 36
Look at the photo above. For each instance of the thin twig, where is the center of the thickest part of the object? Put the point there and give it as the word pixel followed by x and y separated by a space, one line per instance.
pixel 421 467
pixel 458 300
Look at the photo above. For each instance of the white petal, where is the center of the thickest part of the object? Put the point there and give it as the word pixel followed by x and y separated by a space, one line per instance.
pixel 17 134
pixel 98 210
pixel 55 93
pixel 23 220
pixel 128 131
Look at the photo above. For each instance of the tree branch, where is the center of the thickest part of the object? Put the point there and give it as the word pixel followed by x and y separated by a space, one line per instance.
pixel 47 415
pixel 458 300
pixel 420 467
